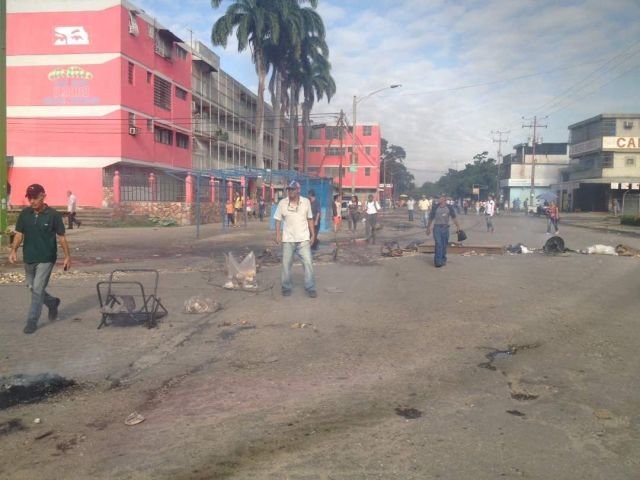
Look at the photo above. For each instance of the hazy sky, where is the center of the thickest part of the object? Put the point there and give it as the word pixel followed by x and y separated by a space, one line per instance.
pixel 467 67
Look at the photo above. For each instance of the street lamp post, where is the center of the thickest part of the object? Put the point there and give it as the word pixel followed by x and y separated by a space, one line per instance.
pixel 354 168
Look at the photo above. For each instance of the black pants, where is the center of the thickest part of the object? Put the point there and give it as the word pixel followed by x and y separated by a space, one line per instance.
pixel 314 245
pixel 72 220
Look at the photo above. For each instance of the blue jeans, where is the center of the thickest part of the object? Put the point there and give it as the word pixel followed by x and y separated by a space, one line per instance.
pixel 37 280
pixel 425 218
pixel 441 237
pixel 289 249
pixel 411 215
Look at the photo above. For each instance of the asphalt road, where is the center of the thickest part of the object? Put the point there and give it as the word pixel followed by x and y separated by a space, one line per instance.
pixel 496 366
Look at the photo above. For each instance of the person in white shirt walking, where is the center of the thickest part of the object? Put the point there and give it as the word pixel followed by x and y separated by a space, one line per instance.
pixel 411 205
pixel 490 211
pixel 296 237
pixel 371 208
pixel 71 209
pixel 424 205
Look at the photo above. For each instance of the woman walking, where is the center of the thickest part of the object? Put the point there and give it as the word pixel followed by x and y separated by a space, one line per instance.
pixel 354 213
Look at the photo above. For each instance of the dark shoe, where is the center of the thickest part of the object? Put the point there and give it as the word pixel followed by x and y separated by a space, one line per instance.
pixel 30 328
pixel 286 293
pixel 53 311
pixel 79 223
pixel 312 293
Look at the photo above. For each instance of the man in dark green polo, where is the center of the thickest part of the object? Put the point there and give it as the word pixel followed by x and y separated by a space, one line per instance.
pixel 39 225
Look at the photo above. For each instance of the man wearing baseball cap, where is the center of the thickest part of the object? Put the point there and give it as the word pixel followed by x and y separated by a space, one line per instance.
pixel 39 225
pixel 297 236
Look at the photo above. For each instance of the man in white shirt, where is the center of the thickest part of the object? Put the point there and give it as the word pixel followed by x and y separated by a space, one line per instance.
pixel 411 204
pixel 424 205
pixel 297 236
pixel 490 211
pixel 71 209
pixel 371 208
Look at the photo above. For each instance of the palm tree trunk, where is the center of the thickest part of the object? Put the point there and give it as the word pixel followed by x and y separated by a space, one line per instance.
pixel 293 125
pixel 262 75
pixel 306 125
pixel 276 101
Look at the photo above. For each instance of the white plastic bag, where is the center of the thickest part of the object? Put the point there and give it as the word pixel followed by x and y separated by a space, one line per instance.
pixel 244 273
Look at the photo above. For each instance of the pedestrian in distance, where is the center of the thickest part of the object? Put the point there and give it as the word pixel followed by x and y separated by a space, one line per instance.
pixel 553 215
pixel 424 206
pixel 336 210
pixel 261 208
pixel 39 226
pixel 354 213
pixel 490 212
pixel 72 204
pixel 371 208
pixel 411 205
pixel 296 236
pixel 440 216
pixel 238 204
pixel 465 206
pixel 315 210
pixel 231 212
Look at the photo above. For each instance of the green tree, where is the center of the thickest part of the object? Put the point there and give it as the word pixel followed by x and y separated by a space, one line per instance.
pixel 256 23
pixel 459 183
pixel 393 169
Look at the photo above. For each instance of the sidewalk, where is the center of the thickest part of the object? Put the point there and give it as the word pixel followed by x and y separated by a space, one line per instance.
pixel 598 221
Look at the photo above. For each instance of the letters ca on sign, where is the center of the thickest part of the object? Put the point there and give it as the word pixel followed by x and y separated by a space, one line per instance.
pixel 622 143
pixel 70 36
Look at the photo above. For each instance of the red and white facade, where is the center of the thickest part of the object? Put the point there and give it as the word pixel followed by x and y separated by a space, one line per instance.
pixel 326 156
pixel 92 85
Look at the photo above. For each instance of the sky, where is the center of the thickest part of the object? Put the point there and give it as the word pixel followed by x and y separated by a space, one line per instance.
pixel 467 68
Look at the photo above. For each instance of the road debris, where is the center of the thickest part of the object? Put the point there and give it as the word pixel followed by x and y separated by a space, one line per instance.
pixel 241 274
pixel 602 414
pixel 627 251
pixel 300 325
pixel 408 413
pixel 516 413
pixel 334 290
pixel 599 249
pixel 198 304
pixel 391 249
pixel 134 419
pixel 44 435
pixel 10 426
pixel 554 245
pixel 21 388
pixel 518 248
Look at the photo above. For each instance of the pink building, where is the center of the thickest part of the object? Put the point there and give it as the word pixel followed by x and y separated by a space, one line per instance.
pixel 94 86
pixel 326 157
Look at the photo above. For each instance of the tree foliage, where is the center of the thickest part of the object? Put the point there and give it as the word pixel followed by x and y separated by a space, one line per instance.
pixel 392 168
pixel 459 183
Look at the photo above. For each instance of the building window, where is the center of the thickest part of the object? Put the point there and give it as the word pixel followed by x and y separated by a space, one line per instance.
pixel 132 119
pixel 130 73
pixel 133 24
pixel 627 124
pixel 606 161
pixel 315 149
pixel 162 93
pixel 151 31
pixel 180 93
pixel 163 135
pixel 314 134
pixel 366 131
pixel 181 53
pixel 149 125
pixel 367 150
pixel 313 171
pixel 608 127
pixel 334 151
pixel 367 171
pixel 149 76
pixel 333 172
pixel 630 162
pixel 163 47
pixel 182 140
pixel 331 132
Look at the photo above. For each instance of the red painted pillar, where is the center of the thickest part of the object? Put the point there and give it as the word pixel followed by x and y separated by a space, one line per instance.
pixel 116 187
pixel 153 187
pixel 264 191
pixel 230 190
pixel 188 184
pixel 212 183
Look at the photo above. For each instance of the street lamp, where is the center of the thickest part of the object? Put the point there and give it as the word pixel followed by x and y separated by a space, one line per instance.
pixel 354 168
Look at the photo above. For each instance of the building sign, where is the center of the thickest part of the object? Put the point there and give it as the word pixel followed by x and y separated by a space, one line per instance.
pixel 71 86
pixel 584 147
pixel 615 186
pixel 621 143
pixel 70 36
pixel 635 186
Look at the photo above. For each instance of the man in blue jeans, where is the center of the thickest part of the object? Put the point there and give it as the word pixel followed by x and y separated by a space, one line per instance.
pixel 440 215
pixel 39 225
pixel 296 237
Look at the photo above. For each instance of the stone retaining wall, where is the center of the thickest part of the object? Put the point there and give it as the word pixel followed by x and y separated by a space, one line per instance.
pixel 182 213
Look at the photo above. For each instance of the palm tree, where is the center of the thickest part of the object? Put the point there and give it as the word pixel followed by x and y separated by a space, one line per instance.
pixel 256 23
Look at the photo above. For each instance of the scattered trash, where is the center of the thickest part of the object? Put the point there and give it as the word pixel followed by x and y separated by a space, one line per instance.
pixel 134 419
pixel 21 388
pixel 627 251
pixel 300 325
pixel 554 245
pixel 412 246
pixel 602 414
pixel 198 304
pixel 37 420
pixel 391 249
pixel 518 248
pixel 44 435
pixel 470 253
pixel 334 290
pixel 10 426
pixel 517 413
pixel 599 249
pixel 267 257
pixel 408 413
pixel 242 274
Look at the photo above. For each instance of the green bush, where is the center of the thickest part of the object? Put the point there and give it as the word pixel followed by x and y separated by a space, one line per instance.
pixel 630 220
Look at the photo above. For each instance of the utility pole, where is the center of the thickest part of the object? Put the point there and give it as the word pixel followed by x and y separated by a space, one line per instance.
pixel 3 124
pixel 341 137
pixel 499 141
pixel 354 156
pixel 535 125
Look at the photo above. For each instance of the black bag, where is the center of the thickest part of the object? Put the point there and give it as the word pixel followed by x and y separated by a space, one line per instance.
pixel 461 236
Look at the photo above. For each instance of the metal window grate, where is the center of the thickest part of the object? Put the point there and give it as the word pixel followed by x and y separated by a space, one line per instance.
pixel 162 93
pixel 130 71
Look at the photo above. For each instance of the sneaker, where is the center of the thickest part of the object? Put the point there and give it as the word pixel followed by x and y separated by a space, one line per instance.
pixel 53 311
pixel 286 293
pixel 312 293
pixel 30 328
